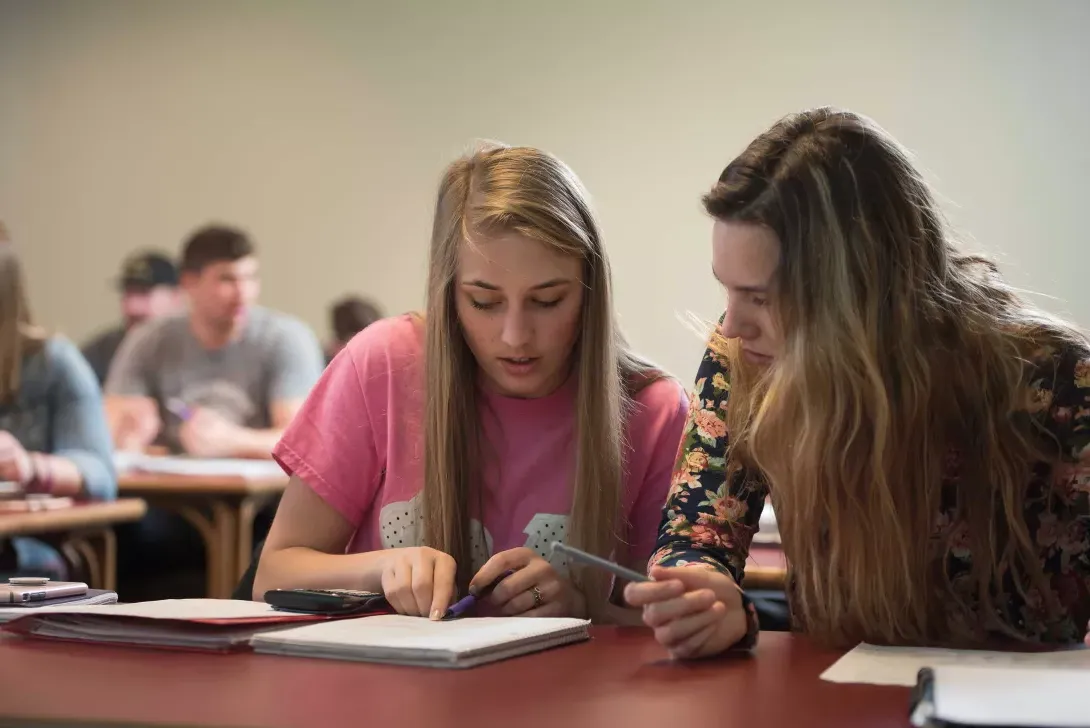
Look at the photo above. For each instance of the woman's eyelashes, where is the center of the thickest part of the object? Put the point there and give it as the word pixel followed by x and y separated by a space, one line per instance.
pixel 753 299
pixel 482 305
pixel 491 305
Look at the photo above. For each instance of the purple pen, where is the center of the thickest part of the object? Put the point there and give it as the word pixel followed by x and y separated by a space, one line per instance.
pixel 180 409
pixel 466 603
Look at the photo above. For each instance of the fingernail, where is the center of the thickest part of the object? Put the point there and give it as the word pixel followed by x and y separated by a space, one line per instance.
pixel 437 615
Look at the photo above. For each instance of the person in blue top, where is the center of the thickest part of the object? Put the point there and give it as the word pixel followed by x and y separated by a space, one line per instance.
pixel 53 433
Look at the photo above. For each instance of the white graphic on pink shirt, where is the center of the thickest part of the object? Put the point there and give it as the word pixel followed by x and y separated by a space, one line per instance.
pixel 401 523
pixel 541 531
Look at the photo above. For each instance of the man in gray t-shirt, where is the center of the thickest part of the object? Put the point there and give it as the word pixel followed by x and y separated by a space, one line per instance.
pixel 222 380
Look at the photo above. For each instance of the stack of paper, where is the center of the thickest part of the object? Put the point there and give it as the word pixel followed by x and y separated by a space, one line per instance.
pixel 399 640
pixel 877 665
pixel 127 462
pixel 33 502
pixel 217 625
pixel 767 530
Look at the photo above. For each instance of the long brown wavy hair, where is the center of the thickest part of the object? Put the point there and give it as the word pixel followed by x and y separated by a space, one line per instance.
pixel 497 190
pixel 18 335
pixel 900 353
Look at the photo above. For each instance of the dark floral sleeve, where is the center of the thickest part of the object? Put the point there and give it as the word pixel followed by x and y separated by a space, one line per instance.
pixel 1062 517
pixel 708 521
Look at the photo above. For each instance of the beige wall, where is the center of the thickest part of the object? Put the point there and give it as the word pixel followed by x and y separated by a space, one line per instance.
pixel 322 127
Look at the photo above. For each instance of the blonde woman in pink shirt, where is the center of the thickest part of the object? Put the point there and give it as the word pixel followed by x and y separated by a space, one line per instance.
pixel 439 453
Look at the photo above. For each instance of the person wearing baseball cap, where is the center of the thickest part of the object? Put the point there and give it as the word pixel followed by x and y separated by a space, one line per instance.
pixel 149 289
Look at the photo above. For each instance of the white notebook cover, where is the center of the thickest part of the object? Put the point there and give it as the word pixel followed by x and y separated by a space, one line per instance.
pixel 400 640
pixel 983 695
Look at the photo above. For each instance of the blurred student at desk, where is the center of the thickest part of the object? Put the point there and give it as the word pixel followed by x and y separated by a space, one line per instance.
pixel 219 381
pixel 222 379
pixel 347 317
pixel 149 290
pixel 53 436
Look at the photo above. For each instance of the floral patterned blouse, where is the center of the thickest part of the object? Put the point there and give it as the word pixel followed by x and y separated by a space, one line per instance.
pixel 709 521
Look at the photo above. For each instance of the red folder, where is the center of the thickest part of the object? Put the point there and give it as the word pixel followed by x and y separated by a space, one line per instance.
pixel 202 625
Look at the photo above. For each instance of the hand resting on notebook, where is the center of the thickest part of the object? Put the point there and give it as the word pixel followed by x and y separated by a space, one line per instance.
pixel 418 580
pixel 536 589
pixel 15 463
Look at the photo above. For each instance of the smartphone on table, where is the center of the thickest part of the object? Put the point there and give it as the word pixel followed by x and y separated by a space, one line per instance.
pixel 23 589
pixel 326 601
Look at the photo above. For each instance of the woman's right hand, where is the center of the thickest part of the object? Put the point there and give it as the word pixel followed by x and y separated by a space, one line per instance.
pixel 418 581
pixel 695 611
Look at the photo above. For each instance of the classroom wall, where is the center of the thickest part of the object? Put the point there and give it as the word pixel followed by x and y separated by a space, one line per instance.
pixel 322 127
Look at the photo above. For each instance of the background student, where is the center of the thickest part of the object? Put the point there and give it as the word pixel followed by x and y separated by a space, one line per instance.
pixel 438 453
pixel 224 378
pixel 149 289
pixel 347 317
pixel 924 433
pixel 53 436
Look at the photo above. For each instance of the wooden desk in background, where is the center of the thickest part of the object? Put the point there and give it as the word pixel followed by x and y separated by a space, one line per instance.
pixel 766 567
pixel 621 677
pixel 82 532
pixel 221 508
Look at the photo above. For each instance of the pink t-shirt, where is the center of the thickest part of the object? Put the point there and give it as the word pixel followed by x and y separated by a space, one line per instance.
pixel 358 442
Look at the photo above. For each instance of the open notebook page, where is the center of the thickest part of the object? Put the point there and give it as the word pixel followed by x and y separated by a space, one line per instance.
pixel 171 465
pixel 1010 696
pixel 415 633
pixel 401 640
pixel 877 665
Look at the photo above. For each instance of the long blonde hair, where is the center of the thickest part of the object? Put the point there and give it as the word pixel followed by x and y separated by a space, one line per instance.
pixel 523 190
pixel 900 353
pixel 18 335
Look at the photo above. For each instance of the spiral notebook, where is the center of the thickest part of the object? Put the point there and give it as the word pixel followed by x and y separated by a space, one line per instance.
pixel 981 695
pixel 400 640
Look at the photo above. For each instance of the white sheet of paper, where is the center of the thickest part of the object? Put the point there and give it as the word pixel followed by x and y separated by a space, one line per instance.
pixel 1013 696
pixel 400 631
pixel 876 665
pixel 172 465
pixel 767 529
pixel 174 609
pixel 397 631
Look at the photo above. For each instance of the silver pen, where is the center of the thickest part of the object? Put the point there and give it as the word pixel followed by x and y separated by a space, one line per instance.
pixel 599 562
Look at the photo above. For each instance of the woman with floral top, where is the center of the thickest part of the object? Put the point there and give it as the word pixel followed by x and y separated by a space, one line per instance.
pixel 923 432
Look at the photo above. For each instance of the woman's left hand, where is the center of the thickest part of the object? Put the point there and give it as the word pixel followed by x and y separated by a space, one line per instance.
pixel 535 589
pixel 15 462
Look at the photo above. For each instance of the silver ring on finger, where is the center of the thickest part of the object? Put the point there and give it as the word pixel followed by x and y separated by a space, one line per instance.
pixel 538 601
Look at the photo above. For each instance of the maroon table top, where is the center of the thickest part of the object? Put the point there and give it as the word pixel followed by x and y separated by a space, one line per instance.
pixel 620 677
